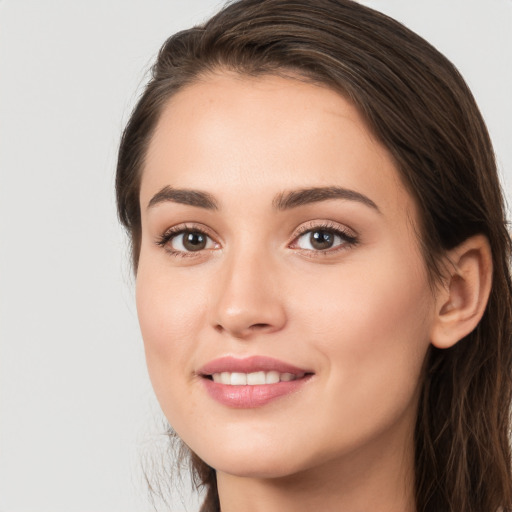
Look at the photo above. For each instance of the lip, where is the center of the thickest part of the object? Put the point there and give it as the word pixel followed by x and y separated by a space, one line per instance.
pixel 245 396
pixel 250 364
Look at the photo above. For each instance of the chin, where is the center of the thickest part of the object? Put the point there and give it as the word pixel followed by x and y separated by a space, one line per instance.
pixel 267 467
pixel 250 460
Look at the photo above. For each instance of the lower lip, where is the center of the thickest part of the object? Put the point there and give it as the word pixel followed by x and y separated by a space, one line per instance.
pixel 247 397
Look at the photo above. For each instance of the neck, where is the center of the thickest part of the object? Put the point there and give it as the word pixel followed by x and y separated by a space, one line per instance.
pixel 379 477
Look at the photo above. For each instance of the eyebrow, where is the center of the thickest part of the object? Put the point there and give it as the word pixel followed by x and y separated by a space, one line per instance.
pixel 283 201
pixel 296 198
pixel 184 196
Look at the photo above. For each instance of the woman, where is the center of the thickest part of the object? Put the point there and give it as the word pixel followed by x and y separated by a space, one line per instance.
pixel 322 260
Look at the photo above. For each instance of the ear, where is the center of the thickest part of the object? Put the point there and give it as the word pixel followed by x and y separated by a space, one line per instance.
pixel 465 289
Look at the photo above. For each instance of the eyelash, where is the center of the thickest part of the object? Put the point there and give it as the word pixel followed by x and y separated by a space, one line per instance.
pixel 349 239
pixel 165 239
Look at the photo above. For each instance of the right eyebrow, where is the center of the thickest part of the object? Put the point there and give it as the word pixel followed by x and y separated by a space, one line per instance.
pixel 184 196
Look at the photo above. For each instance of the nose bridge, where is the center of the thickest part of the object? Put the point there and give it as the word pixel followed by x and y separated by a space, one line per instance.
pixel 247 298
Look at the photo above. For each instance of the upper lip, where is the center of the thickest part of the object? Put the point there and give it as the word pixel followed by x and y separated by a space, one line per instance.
pixel 250 365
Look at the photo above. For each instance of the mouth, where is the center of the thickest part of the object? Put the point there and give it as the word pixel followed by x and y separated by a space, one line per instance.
pixel 251 382
pixel 259 378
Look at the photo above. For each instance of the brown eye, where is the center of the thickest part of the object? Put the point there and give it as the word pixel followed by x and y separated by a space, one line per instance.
pixel 194 241
pixel 190 241
pixel 321 240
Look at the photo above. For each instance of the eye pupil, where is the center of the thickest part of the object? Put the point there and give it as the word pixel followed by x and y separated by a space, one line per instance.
pixel 194 241
pixel 321 239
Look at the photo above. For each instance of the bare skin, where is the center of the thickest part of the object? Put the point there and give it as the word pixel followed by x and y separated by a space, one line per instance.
pixel 355 311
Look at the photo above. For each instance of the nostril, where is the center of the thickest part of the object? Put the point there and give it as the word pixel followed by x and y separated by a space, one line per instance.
pixel 250 328
pixel 257 327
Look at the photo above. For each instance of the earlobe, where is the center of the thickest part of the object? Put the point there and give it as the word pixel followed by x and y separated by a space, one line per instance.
pixel 463 296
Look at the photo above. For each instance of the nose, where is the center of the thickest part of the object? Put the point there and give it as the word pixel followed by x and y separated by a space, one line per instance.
pixel 248 300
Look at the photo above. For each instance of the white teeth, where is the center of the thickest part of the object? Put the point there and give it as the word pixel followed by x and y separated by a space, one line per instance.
pixel 238 379
pixel 253 379
pixel 272 377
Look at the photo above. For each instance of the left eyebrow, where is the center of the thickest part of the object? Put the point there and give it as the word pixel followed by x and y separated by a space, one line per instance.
pixel 295 198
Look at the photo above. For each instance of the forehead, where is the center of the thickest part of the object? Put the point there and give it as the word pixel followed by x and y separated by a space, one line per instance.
pixel 238 136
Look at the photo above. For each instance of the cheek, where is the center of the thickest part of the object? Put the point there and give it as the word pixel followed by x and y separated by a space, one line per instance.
pixel 391 296
pixel 370 331
pixel 170 317
pixel 371 325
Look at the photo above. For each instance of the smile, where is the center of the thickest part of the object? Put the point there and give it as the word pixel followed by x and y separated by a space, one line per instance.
pixel 251 382
pixel 253 379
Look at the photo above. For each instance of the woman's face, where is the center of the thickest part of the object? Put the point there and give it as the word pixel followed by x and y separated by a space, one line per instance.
pixel 282 296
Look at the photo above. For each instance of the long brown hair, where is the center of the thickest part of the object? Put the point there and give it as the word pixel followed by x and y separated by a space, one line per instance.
pixel 419 107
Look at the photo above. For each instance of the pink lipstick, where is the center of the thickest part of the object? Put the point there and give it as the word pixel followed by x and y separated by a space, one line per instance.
pixel 251 382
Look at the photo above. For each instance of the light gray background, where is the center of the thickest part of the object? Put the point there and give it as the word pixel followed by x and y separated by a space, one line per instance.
pixel 76 408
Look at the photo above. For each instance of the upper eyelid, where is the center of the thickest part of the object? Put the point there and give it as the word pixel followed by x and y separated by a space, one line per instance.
pixel 326 225
pixel 188 226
